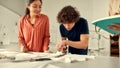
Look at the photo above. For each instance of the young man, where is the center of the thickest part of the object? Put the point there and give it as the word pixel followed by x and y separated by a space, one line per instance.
pixel 75 29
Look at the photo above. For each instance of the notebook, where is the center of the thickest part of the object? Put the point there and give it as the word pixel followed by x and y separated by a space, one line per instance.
pixel 103 23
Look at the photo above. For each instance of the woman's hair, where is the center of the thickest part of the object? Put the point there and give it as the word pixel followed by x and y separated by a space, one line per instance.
pixel 68 15
pixel 27 11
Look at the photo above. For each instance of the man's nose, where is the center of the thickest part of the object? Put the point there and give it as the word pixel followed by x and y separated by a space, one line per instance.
pixel 67 26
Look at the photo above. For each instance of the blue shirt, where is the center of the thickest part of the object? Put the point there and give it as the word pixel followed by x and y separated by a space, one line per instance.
pixel 80 27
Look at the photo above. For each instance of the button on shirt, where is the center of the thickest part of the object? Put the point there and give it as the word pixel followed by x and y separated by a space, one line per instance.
pixel 34 37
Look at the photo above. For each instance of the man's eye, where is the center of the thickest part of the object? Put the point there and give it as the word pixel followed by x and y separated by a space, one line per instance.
pixel 34 6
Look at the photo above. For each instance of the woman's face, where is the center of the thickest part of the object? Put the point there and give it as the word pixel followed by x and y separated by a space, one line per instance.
pixel 69 26
pixel 35 7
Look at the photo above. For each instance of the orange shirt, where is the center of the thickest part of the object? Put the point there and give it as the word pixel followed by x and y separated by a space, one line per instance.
pixel 35 38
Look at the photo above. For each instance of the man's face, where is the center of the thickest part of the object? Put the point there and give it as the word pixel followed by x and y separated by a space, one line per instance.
pixel 69 26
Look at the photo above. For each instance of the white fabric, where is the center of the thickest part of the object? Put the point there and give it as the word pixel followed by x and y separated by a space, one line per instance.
pixel 69 58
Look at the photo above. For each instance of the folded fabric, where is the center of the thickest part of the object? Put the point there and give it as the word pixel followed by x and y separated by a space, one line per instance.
pixel 69 58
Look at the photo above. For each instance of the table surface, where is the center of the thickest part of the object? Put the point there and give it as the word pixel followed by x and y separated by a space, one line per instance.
pixel 89 62
pixel 98 62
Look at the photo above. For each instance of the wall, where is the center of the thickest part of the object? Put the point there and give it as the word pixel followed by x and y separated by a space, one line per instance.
pixel 100 9
pixel 8 26
pixel 10 12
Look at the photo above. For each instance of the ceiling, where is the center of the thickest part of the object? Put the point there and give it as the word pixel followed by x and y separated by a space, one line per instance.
pixel 16 6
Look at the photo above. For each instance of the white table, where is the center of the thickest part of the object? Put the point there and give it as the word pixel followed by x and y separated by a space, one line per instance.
pixel 98 62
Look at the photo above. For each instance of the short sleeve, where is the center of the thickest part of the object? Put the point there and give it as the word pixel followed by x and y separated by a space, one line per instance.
pixel 84 29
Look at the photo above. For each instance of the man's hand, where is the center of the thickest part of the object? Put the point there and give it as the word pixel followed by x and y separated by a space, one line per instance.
pixel 61 46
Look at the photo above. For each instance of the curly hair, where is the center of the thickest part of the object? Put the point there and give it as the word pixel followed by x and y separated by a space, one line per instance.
pixel 68 15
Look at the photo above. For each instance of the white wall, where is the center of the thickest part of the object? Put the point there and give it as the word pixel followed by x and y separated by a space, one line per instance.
pixel 8 27
pixel 100 9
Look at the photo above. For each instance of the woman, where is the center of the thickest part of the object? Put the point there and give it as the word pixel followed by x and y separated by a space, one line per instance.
pixel 33 29
pixel 75 29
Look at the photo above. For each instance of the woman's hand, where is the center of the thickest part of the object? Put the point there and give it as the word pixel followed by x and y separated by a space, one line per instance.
pixel 24 49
